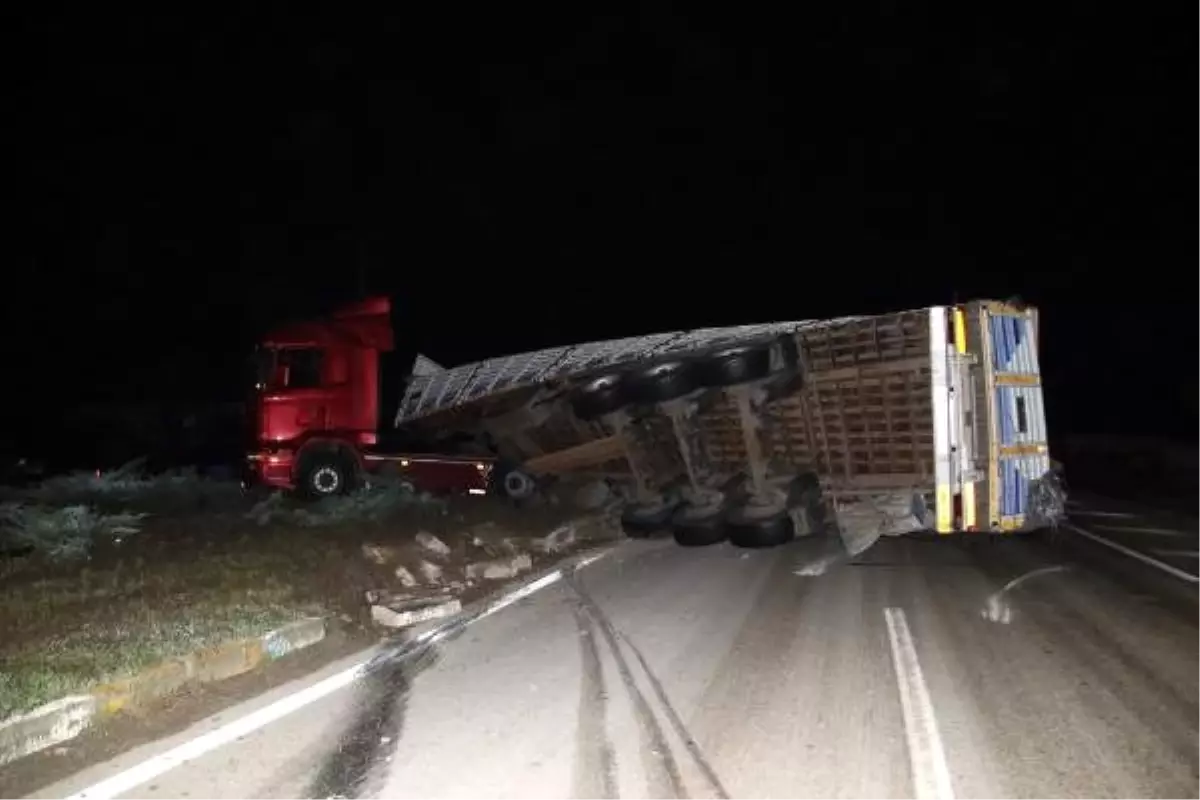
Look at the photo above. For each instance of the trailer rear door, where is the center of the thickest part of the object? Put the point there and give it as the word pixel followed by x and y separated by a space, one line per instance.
pixel 1018 453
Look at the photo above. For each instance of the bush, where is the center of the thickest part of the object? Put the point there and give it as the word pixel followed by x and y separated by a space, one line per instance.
pixel 62 534
pixel 373 504
pixel 130 485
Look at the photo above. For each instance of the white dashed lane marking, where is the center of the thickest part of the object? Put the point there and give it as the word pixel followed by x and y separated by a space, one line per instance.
pixel 931 776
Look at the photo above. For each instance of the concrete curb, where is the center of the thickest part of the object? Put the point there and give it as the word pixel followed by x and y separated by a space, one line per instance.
pixel 67 717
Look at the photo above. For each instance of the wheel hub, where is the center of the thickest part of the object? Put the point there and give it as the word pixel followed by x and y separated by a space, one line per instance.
pixel 326 480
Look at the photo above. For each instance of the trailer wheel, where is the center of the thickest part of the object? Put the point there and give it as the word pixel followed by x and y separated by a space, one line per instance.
pixel 749 530
pixel 643 521
pixel 731 366
pixel 694 529
pixel 664 381
pixel 599 396
pixel 789 349
pixel 325 475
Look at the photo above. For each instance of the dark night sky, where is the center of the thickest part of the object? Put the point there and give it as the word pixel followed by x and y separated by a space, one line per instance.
pixel 524 178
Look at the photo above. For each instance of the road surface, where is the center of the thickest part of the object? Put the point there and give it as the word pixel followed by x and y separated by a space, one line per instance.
pixel 925 667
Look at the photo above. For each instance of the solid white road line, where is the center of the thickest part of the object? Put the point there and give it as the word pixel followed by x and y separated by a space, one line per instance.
pixel 931 776
pixel 1177 553
pixel 1152 531
pixel 1120 548
pixel 189 751
pixel 1115 514
pixel 153 767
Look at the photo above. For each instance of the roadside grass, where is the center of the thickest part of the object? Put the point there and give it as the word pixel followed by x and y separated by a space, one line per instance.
pixel 66 633
pixel 193 581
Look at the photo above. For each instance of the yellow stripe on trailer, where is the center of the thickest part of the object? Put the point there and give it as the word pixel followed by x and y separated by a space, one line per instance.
pixel 960 331
pixel 1036 449
pixel 1016 379
pixel 945 517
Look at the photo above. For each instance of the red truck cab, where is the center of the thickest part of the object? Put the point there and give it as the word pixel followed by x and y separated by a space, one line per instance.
pixel 317 410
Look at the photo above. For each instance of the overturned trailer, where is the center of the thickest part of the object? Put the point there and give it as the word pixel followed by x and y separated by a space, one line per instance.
pixel 922 419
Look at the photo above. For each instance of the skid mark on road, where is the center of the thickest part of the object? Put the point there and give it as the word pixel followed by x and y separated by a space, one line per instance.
pixel 662 772
pixel 595 765
pixel 931 776
pixel 693 747
pixel 367 746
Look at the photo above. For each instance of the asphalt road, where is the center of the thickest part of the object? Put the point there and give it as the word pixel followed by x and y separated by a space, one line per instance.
pixel 926 667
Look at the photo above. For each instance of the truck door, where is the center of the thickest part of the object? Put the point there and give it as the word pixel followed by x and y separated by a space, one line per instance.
pixel 1018 451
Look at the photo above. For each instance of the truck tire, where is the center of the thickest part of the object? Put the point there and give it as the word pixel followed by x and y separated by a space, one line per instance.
pixel 643 521
pixel 518 484
pixel 734 365
pixel 691 530
pixel 746 530
pixel 599 396
pixel 666 380
pixel 325 475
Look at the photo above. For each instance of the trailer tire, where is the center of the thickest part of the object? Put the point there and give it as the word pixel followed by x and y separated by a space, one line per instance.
pixel 599 396
pixel 735 365
pixel 789 350
pixel 642 522
pixel 692 530
pixel 325 474
pixel 746 530
pixel 666 380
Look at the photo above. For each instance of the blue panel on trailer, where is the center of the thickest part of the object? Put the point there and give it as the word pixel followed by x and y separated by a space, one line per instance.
pixel 999 358
pixel 1020 483
pixel 1004 403
pixel 1005 487
pixel 1011 489
pixel 1010 342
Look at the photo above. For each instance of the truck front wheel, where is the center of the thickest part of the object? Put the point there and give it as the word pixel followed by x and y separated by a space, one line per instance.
pixel 325 476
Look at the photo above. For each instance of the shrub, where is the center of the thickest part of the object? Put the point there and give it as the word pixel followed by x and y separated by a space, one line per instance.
pixel 65 533
pixel 130 485
pixel 373 504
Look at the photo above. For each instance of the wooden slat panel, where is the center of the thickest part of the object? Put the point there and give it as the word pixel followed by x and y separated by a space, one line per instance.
pixel 865 413
pixel 588 454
